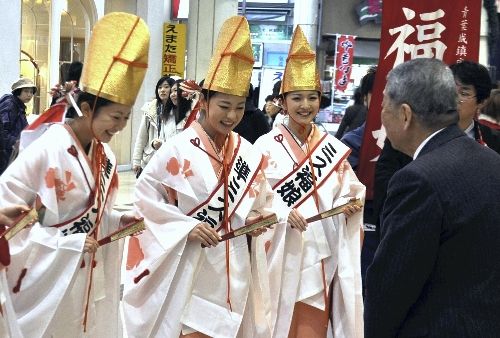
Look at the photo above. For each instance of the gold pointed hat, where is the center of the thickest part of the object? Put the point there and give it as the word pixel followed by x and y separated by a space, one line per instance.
pixel 231 65
pixel 301 72
pixel 117 58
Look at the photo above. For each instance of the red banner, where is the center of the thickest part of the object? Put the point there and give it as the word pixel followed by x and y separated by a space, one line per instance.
pixel 446 30
pixel 345 54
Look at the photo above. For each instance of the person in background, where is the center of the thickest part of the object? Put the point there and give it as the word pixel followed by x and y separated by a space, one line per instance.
pixel 13 115
pixel 183 104
pixel 154 121
pixel 490 112
pixel 314 269
pixel 254 123
pixel 354 138
pixel 71 84
pixel 354 116
pixel 435 272
pixel 60 281
pixel 473 86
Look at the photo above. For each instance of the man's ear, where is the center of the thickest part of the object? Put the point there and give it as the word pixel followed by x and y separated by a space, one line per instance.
pixel 86 110
pixel 406 115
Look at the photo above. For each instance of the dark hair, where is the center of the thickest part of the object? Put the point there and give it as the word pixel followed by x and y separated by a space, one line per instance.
pixel 276 88
pixel 17 92
pixel 75 72
pixel 492 106
pixel 90 99
pixel 284 95
pixel 163 110
pixel 208 94
pixel 358 98
pixel 183 104
pixel 269 98
pixel 366 85
pixel 170 82
pixel 473 74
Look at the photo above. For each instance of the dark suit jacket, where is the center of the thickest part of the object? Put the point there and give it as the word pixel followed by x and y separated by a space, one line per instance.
pixel 436 272
pixel 490 136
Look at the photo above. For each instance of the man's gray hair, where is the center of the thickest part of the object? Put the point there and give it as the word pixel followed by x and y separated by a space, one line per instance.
pixel 428 87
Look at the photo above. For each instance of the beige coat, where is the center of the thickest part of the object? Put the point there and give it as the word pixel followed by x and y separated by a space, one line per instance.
pixel 148 132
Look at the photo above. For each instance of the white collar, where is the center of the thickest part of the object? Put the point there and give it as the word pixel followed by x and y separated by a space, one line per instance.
pixel 470 130
pixel 425 142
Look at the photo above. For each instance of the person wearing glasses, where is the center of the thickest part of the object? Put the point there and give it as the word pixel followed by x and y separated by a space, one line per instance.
pixel 473 87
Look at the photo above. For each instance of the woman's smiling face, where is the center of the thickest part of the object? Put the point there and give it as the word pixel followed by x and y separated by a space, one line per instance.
pixel 302 105
pixel 225 111
pixel 110 120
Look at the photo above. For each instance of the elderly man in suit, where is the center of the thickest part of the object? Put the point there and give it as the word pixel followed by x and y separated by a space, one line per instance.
pixel 436 272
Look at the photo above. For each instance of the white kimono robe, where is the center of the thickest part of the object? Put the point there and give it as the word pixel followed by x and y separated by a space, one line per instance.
pixel 8 323
pixel 179 286
pixel 294 258
pixel 50 299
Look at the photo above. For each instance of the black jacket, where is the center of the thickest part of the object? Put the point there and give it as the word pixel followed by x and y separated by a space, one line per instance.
pixel 490 136
pixel 253 125
pixel 13 115
pixel 436 272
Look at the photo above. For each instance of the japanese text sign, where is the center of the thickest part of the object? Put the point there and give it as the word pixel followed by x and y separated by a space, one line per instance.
pixel 345 54
pixel 174 49
pixel 446 30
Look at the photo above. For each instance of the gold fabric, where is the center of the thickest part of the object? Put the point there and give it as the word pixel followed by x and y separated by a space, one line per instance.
pixel 301 72
pixel 231 65
pixel 115 67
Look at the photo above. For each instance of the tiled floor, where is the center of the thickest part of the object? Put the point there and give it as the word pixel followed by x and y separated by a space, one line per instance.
pixel 125 199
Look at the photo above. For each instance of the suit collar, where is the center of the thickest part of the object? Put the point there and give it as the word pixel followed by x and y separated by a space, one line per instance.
pixel 446 135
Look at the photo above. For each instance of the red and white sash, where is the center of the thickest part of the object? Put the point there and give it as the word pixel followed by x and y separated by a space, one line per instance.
pixel 244 169
pixel 297 186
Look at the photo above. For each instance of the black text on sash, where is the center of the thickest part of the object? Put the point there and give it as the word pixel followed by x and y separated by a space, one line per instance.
pixel 298 185
pixel 241 176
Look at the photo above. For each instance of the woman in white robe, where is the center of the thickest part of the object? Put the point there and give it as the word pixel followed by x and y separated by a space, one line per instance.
pixel 203 183
pixel 58 251
pixel 314 269
pixel 8 323
pixel 60 282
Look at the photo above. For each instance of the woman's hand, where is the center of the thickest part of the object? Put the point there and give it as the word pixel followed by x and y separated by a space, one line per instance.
pixel 127 219
pixel 91 245
pixel 297 221
pixel 256 232
pixel 350 210
pixel 204 234
pixel 156 144
pixel 9 214
pixel 136 168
